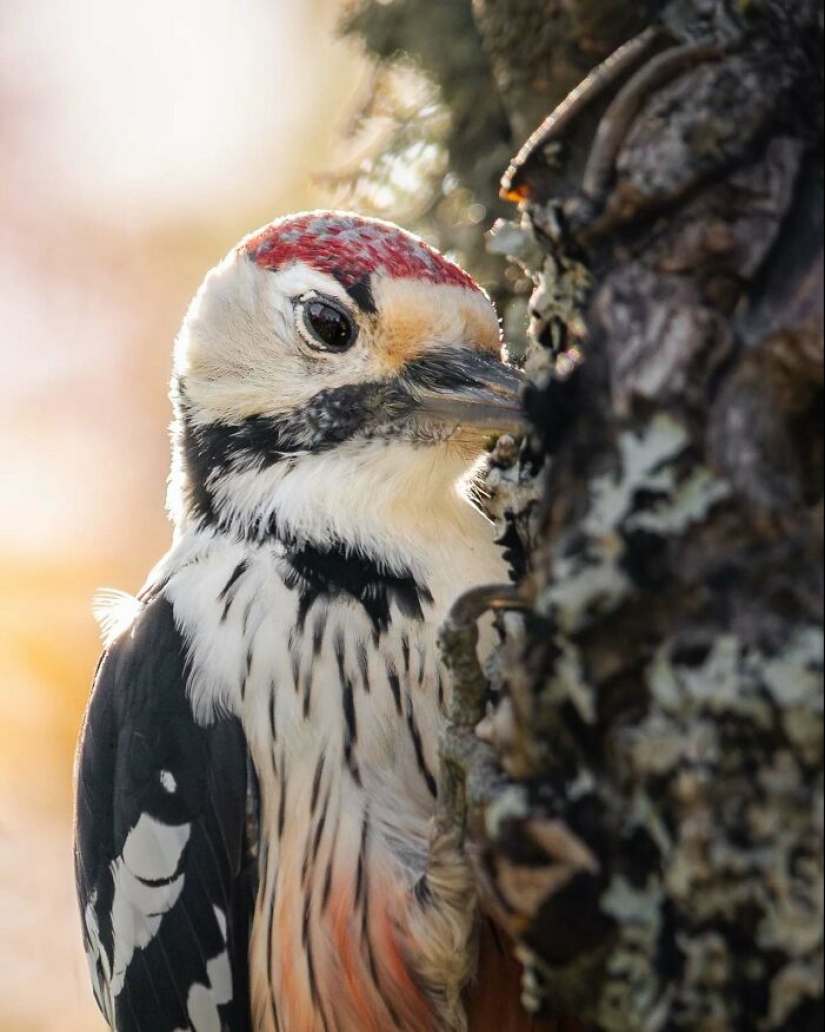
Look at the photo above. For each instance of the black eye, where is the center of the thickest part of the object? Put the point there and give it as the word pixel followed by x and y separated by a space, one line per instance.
pixel 324 323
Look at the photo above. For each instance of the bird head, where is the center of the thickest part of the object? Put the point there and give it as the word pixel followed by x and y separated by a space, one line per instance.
pixel 333 364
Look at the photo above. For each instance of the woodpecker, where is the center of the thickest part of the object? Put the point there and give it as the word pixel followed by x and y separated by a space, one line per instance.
pixel 257 770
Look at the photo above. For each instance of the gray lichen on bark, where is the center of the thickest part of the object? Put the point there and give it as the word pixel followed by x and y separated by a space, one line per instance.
pixel 669 711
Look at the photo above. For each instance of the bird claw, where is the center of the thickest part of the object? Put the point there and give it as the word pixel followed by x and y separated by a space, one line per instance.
pixel 459 638
pixel 515 185
pixel 595 214
pixel 462 752
pixel 638 70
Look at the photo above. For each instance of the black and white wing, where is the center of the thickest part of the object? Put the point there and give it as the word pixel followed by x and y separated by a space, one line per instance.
pixel 164 876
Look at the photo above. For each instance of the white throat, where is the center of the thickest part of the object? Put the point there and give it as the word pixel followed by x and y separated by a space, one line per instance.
pixel 402 504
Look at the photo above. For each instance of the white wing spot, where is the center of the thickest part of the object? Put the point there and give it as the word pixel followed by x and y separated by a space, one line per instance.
pixel 153 850
pixel 167 779
pixel 202 1002
pixel 219 969
pixel 152 853
pixel 203 1011
pixel 96 954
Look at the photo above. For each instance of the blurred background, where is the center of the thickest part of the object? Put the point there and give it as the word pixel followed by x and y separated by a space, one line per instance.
pixel 139 142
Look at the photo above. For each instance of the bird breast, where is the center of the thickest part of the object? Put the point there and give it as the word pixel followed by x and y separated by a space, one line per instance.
pixel 333 666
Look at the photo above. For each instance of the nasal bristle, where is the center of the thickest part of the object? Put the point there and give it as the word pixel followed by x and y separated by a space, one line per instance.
pixel 352 248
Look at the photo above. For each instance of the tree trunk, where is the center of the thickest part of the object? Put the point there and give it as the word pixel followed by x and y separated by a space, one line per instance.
pixel 648 804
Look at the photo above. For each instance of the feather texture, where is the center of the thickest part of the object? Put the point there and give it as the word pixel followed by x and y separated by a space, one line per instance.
pixel 164 889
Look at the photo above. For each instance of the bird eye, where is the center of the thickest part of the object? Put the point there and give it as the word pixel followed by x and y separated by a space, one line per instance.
pixel 325 324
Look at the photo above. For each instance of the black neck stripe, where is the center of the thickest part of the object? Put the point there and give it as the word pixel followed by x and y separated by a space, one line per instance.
pixel 318 572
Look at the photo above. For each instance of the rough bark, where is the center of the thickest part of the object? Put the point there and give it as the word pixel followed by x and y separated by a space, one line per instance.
pixel 647 802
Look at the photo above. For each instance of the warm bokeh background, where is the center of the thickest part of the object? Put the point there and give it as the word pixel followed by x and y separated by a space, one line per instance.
pixel 139 141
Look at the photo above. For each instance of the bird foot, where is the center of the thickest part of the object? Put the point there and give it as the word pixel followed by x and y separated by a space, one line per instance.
pixel 635 73
pixel 463 755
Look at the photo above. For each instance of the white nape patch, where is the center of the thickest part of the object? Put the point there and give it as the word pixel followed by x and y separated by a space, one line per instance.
pixel 115 612
pixel 167 780
pixel 152 853
pixel 203 1002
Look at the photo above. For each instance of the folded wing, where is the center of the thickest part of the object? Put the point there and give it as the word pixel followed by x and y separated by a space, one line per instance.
pixel 165 875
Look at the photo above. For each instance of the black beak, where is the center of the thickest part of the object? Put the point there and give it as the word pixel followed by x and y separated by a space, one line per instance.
pixel 464 388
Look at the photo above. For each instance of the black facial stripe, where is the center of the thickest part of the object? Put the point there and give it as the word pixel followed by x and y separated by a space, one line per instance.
pixel 335 416
pixel 202 451
pixel 327 420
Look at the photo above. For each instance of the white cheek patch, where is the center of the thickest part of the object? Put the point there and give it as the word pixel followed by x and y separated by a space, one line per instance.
pixel 239 351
